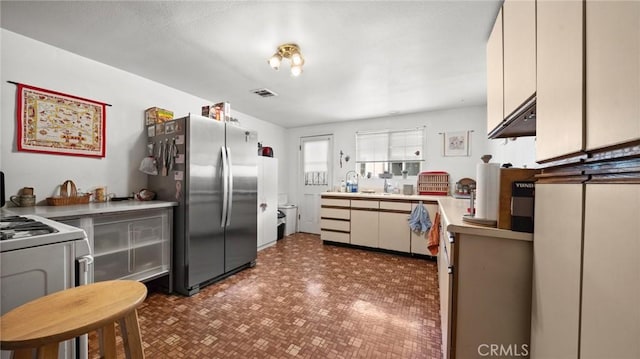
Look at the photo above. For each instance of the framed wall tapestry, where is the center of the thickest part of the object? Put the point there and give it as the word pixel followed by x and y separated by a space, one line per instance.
pixel 57 123
pixel 456 143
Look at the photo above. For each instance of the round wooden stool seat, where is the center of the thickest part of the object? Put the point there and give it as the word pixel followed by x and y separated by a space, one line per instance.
pixel 46 321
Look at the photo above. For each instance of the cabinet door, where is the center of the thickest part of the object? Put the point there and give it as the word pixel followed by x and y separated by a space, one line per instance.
pixel 519 19
pixel 134 245
pixel 613 72
pixel 149 245
pixel 495 85
pixel 611 275
pixel 556 271
pixel 560 80
pixel 364 228
pixel 394 231
pixel 445 284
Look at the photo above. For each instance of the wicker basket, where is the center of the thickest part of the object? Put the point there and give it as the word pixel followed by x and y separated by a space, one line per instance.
pixel 68 196
pixel 433 183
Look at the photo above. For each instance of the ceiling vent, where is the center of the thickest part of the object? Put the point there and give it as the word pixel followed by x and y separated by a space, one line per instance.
pixel 264 92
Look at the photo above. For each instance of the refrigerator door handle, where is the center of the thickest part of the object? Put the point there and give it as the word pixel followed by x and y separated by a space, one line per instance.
pixel 225 186
pixel 230 193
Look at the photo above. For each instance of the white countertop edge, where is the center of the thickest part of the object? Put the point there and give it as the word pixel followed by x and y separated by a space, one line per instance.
pixel 452 210
pixel 412 197
pixel 87 209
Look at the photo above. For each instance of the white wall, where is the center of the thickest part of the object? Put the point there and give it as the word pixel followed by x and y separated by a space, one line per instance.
pixel 31 62
pixel 520 153
pixel 437 122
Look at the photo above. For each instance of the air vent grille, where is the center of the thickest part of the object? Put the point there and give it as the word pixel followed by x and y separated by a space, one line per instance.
pixel 264 92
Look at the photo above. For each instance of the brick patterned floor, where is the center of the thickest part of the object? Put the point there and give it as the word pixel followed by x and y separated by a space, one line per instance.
pixel 303 299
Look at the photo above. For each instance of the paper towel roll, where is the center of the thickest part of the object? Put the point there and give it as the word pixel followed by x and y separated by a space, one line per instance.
pixel 487 190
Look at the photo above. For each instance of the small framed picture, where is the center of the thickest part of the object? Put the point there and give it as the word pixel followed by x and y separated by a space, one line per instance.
pixel 169 127
pixel 159 129
pixel 456 143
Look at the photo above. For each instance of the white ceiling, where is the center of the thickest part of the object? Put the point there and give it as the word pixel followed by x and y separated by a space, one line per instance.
pixel 363 59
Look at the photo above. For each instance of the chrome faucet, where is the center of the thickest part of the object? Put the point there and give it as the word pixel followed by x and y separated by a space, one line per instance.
pixel 346 176
pixel 387 184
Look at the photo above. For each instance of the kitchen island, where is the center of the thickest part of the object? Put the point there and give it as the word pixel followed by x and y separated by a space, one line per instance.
pixel 484 273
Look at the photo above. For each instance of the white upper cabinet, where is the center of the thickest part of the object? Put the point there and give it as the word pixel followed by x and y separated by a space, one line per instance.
pixel 519 21
pixel 613 72
pixel 560 79
pixel 495 85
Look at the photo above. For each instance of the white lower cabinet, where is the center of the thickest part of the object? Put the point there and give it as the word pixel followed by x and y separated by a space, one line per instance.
pixel 586 279
pixel 335 224
pixel 555 312
pixel 134 245
pixel 394 232
pixel 610 316
pixel 332 236
pixel 374 223
pixel 364 227
pixel 393 223
pixel 445 285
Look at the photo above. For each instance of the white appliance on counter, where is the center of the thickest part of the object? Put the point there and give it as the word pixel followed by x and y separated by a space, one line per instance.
pixel 38 257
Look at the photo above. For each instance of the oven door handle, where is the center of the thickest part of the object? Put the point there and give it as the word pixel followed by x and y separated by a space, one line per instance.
pixel 84 266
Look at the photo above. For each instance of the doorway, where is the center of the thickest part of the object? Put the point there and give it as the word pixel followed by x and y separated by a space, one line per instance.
pixel 315 177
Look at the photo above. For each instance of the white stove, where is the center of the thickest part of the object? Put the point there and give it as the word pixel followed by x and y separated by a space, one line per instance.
pixel 19 232
pixel 39 256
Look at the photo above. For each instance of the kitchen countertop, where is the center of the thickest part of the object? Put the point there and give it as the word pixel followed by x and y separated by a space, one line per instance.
pixel 360 195
pixel 86 209
pixel 452 209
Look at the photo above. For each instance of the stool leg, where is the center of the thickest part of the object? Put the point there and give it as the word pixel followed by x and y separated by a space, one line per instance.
pixel 48 351
pixel 131 336
pixel 108 341
pixel 23 354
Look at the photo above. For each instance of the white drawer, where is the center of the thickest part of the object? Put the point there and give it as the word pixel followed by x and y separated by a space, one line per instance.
pixel 335 236
pixel 399 206
pixel 334 202
pixel 335 225
pixel 335 213
pixel 365 204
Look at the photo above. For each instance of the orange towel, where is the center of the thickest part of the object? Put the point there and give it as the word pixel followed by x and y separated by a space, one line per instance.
pixel 433 238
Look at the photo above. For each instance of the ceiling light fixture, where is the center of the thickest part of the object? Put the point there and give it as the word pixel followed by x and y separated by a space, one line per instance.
pixel 291 52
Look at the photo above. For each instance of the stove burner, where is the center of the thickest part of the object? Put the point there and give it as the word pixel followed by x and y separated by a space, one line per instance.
pixel 13 227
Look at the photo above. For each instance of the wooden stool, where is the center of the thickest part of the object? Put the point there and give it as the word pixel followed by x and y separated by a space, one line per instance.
pixel 45 322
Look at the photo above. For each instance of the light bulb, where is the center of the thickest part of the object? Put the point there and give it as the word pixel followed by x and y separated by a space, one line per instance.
pixel 274 61
pixel 296 70
pixel 296 58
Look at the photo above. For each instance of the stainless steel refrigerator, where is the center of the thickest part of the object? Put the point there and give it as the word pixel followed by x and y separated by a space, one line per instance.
pixel 210 168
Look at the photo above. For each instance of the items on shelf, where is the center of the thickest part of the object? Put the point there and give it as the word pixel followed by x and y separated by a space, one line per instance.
pixel 464 187
pixel 157 115
pixel 219 112
pixel 433 183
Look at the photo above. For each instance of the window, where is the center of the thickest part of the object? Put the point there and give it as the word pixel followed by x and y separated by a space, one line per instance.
pixel 315 161
pixel 393 151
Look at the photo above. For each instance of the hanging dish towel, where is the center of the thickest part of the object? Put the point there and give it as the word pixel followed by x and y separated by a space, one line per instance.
pixel 433 239
pixel 419 220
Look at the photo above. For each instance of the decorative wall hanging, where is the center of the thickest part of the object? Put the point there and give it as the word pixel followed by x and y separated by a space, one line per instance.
pixel 57 123
pixel 456 143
